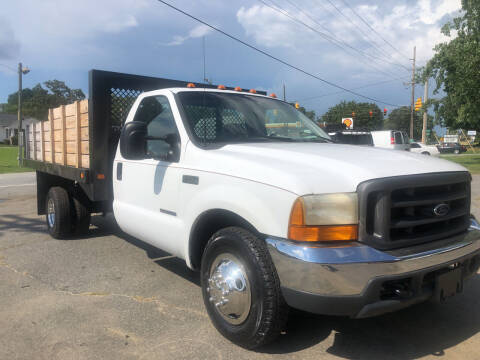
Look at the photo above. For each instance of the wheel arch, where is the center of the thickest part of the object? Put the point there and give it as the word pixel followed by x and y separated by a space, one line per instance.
pixel 208 223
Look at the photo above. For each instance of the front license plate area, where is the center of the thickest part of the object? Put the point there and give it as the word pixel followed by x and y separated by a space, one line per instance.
pixel 448 284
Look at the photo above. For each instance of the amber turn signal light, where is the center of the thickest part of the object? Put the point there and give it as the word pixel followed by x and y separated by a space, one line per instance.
pixel 323 233
pixel 298 231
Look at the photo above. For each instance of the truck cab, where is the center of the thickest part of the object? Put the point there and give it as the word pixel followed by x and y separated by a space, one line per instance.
pixel 273 214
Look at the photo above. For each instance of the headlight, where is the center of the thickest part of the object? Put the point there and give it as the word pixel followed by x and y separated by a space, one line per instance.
pixel 328 217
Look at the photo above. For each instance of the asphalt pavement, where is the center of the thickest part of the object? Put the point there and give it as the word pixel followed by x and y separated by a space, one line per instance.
pixel 110 296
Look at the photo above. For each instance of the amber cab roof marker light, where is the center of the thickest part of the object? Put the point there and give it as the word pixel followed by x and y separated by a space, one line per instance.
pixel 190 85
pixel 237 88
pixel 252 91
pixel 221 87
pixel 273 95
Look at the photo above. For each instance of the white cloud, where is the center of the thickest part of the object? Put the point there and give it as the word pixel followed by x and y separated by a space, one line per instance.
pixel 268 27
pixel 42 23
pixel 430 15
pixel 119 25
pixel 196 32
pixel 402 26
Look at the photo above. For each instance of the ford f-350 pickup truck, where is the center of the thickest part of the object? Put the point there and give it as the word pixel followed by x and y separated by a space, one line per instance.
pixel 256 197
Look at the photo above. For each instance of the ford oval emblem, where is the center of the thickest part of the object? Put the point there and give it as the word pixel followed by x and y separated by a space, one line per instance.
pixel 441 209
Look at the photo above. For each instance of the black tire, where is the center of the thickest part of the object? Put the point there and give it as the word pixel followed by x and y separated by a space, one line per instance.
pixel 425 153
pixel 268 311
pixel 59 205
pixel 80 218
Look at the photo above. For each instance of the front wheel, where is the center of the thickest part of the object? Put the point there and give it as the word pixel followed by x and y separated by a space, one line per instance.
pixel 425 153
pixel 241 289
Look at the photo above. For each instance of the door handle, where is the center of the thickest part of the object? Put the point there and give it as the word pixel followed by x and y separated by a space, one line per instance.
pixel 119 171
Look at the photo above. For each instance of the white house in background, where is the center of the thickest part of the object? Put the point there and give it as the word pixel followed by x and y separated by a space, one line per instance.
pixel 9 125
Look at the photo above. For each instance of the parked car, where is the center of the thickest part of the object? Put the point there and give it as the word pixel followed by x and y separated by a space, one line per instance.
pixel 451 148
pixel 256 197
pixel 391 139
pixel 352 137
pixel 421 148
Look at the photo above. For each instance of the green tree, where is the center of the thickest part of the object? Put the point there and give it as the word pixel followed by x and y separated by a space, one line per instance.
pixel 37 100
pixel 362 118
pixel 308 113
pixel 455 68
pixel 399 119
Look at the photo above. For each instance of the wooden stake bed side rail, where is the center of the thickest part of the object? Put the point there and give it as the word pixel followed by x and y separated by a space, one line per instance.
pixel 63 139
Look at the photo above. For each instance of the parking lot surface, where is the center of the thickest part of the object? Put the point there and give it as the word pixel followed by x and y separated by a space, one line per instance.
pixel 110 296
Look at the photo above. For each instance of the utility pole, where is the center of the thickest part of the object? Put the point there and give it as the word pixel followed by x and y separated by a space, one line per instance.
pixel 21 71
pixel 425 115
pixel 19 115
pixel 284 97
pixel 412 111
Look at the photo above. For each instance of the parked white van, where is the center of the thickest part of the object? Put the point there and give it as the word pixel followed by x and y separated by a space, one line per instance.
pixel 391 139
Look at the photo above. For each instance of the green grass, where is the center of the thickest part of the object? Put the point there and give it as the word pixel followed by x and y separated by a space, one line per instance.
pixel 476 149
pixel 8 160
pixel 471 162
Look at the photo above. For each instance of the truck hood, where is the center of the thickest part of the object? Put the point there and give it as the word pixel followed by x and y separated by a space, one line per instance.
pixel 312 168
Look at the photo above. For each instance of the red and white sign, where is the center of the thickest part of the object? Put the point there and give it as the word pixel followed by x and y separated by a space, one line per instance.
pixel 348 123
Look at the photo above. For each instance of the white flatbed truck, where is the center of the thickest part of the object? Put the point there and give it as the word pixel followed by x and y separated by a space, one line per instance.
pixel 256 197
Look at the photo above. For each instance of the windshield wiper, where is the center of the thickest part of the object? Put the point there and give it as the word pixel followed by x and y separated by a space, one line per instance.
pixel 270 137
pixel 318 140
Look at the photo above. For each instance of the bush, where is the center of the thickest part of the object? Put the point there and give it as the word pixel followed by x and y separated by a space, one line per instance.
pixel 6 141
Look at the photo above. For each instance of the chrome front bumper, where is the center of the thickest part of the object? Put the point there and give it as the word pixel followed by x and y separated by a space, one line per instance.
pixel 355 274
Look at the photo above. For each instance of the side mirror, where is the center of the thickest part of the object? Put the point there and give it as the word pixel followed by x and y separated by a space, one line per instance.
pixel 133 140
pixel 173 140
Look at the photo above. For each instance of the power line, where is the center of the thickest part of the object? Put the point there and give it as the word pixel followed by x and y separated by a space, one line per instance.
pixel 331 39
pixel 335 38
pixel 272 56
pixel 375 31
pixel 372 41
pixel 9 67
pixel 356 88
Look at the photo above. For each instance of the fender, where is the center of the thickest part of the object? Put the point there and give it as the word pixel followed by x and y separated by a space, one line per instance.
pixel 261 207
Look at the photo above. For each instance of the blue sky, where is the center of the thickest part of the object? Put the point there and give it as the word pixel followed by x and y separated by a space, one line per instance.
pixel 63 39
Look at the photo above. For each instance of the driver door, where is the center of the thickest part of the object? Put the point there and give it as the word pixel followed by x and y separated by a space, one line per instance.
pixel 146 191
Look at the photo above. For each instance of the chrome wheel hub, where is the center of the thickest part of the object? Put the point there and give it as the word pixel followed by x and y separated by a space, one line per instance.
pixel 51 213
pixel 229 289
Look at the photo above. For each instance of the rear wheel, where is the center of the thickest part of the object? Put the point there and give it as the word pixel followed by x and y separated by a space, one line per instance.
pixel 241 289
pixel 80 218
pixel 58 213
pixel 425 153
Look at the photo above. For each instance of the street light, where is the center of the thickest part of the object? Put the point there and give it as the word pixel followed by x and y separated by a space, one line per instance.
pixel 21 71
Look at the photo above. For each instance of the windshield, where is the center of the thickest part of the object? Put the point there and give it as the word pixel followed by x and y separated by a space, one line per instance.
pixel 232 118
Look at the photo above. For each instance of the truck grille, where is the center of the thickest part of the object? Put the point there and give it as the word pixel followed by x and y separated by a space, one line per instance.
pixel 408 210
